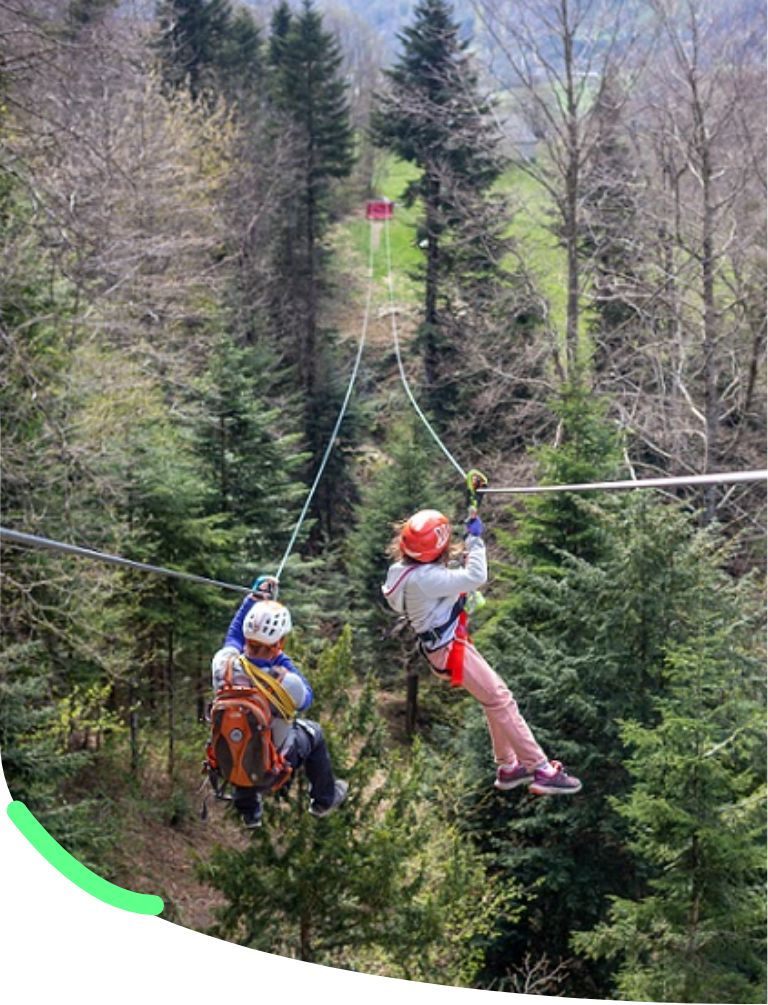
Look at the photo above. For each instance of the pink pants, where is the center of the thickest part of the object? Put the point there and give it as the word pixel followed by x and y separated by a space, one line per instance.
pixel 511 737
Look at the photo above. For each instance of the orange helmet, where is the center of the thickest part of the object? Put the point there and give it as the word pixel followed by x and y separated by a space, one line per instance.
pixel 426 535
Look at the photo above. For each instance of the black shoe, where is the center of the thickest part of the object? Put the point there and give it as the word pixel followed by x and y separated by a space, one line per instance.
pixel 339 795
pixel 252 817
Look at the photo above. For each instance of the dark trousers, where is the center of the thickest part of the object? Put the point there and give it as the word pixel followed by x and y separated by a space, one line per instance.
pixel 306 749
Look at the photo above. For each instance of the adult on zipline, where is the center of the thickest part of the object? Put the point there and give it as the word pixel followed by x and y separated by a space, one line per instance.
pixel 257 633
pixel 432 596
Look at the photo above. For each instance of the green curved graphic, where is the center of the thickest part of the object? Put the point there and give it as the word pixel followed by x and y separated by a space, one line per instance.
pixel 80 875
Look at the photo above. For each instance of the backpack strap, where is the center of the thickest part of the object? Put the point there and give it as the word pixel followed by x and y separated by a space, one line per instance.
pixel 271 689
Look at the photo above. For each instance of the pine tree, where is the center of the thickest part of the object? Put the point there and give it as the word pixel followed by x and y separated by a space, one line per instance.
pixel 383 885
pixel 582 634
pixel 309 91
pixel 280 23
pixel 584 648
pixel 252 461
pixel 434 117
pixel 37 765
pixel 588 450
pixel 310 102
pixel 697 816
pixel 193 34
pixel 240 61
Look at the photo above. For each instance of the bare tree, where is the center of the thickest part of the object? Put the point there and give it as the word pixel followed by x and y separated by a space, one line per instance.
pixel 553 57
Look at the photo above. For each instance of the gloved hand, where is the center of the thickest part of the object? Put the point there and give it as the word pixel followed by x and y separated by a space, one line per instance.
pixel 474 526
pixel 265 588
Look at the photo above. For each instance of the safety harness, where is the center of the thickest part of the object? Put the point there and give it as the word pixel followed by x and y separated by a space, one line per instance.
pixel 455 662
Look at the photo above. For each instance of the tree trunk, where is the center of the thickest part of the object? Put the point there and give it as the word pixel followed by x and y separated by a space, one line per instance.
pixel 169 685
pixel 711 402
pixel 433 260
pixel 133 725
pixel 571 212
pixel 411 701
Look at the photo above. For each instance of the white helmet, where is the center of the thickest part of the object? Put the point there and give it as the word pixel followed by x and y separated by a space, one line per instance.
pixel 267 622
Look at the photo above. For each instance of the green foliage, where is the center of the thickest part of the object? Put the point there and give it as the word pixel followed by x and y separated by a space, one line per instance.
pixel 384 884
pixel 433 116
pixel 241 62
pixel 588 450
pixel 37 764
pixel 252 459
pixel 307 85
pixel 193 35
pixel 584 646
pixel 697 817
pixel 433 112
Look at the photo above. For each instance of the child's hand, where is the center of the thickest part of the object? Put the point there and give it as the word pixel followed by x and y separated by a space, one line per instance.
pixel 474 526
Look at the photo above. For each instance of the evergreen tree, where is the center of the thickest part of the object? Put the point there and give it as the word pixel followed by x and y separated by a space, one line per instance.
pixel 434 117
pixel 308 90
pixel 41 772
pixel 582 636
pixel 240 61
pixel 383 885
pixel 697 817
pixel 588 450
pixel 251 460
pixel 310 101
pixel 280 23
pixel 193 34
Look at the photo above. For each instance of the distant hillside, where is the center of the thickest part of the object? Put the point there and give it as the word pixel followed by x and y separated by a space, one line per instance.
pixel 386 18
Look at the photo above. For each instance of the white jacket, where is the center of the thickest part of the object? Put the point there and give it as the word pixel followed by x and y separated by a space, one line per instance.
pixel 426 592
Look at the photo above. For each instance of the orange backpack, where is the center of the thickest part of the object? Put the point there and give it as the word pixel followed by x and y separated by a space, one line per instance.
pixel 241 750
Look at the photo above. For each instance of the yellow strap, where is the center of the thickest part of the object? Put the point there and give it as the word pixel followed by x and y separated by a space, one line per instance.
pixel 272 690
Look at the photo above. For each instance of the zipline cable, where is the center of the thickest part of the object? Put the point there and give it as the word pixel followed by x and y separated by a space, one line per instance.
pixel 401 368
pixel 342 411
pixel 721 478
pixel 33 541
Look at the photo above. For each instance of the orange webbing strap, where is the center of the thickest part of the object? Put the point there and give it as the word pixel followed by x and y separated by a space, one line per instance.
pixel 455 661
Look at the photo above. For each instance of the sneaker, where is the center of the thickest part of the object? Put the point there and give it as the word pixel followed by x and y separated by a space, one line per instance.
pixel 510 778
pixel 554 781
pixel 339 795
pixel 252 817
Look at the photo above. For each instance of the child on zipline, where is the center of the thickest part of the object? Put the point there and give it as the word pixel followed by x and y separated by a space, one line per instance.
pixel 432 597
pixel 257 631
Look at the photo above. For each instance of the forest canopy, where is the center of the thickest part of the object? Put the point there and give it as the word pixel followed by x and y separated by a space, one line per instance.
pixel 575 276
